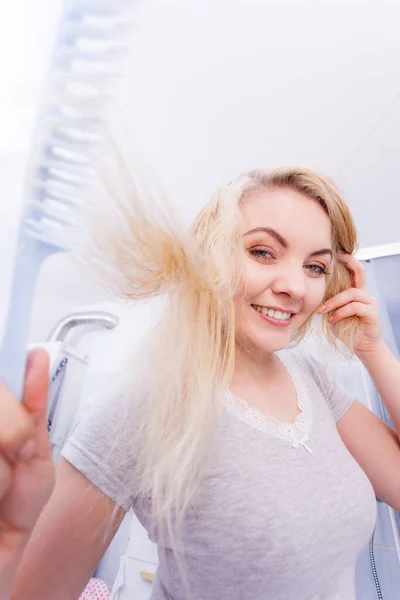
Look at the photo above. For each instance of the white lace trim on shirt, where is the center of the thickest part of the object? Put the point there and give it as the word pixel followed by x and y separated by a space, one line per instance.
pixel 297 433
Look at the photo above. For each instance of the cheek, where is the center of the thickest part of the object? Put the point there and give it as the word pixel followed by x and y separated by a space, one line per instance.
pixel 251 287
pixel 254 280
pixel 316 293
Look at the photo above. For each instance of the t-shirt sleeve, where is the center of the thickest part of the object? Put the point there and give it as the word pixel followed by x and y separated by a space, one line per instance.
pixel 339 399
pixel 101 448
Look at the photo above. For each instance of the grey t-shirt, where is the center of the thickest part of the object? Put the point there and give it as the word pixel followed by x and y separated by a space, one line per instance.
pixel 284 511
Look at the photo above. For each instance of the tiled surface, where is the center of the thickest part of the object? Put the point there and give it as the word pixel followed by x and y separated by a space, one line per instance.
pixel 386 561
pixel 392 570
pixel 365 587
pixel 382 573
pixel 388 569
pixel 384 531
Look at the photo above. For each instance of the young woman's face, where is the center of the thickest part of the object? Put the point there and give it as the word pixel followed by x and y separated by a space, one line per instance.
pixel 288 244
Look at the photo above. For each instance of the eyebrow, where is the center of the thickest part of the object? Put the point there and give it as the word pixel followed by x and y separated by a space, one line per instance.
pixel 281 240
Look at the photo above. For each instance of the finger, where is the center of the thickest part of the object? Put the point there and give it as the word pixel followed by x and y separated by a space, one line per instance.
pixel 35 397
pixel 355 267
pixel 36 385
pixel 349 295
pixel 350 310
pixel 5 477
pixel 16 425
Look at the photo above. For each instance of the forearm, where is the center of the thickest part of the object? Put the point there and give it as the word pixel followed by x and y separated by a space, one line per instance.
pixel 10 561
pixel 384 370
pixel 7 579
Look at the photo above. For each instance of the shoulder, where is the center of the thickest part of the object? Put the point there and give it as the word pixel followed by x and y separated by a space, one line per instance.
pixel 307 366
pixel 320 378
pixel 100 446
pixel 113 406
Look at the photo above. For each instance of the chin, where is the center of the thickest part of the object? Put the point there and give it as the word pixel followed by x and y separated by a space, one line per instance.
pixel 272 344
pixel 266 342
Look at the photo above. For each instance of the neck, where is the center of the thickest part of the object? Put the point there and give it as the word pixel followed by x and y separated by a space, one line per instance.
pixel 252 363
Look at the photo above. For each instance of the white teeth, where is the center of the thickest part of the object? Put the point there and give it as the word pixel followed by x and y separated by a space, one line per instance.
pixel 276 314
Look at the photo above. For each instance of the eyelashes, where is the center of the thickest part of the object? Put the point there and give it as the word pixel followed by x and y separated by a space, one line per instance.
pixel 261 253
pixel 318 269
pixel 264 255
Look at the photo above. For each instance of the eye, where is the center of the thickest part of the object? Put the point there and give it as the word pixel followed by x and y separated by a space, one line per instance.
pixel 316 270
pixel 261 254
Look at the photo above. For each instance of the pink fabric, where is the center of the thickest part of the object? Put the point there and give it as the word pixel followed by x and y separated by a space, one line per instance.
pixel 95 590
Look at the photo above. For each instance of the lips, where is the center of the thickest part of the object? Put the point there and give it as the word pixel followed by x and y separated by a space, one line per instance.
pixel 274 313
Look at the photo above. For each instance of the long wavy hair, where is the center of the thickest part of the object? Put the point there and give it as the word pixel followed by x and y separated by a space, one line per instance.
pixel 185 364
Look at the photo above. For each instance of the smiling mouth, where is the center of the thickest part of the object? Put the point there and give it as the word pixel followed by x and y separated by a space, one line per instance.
pixel 278 315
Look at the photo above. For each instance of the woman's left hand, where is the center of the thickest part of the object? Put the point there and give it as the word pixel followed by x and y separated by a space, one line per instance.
pixel 356 301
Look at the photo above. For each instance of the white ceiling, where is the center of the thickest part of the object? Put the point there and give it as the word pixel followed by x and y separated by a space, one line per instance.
pixel 219 86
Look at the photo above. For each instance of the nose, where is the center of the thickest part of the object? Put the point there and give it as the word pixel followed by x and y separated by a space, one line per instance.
pixel 290 279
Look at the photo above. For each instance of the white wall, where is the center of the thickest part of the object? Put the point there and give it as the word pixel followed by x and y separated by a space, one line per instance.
pixel 219 86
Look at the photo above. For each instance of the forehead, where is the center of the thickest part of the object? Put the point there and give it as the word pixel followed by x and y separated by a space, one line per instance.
pixel 296 217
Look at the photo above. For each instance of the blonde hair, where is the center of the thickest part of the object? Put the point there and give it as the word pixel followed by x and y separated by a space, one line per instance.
pixel 187 362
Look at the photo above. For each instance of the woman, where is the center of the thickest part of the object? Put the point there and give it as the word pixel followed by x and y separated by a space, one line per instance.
pixel 26 470
pixel 250 467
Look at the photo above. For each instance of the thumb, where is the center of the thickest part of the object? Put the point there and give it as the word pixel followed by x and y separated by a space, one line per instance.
pixel 35 396
pixel 36 381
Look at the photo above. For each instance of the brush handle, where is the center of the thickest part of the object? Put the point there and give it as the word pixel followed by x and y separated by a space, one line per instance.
pixel 31 254
pixel 69 127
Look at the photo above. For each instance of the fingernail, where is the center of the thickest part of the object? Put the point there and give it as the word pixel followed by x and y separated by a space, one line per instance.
pixel 330 319
pixel 322 308
pixel 28 451
pixel 31 366
pixel 31 358
pixel 30 361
